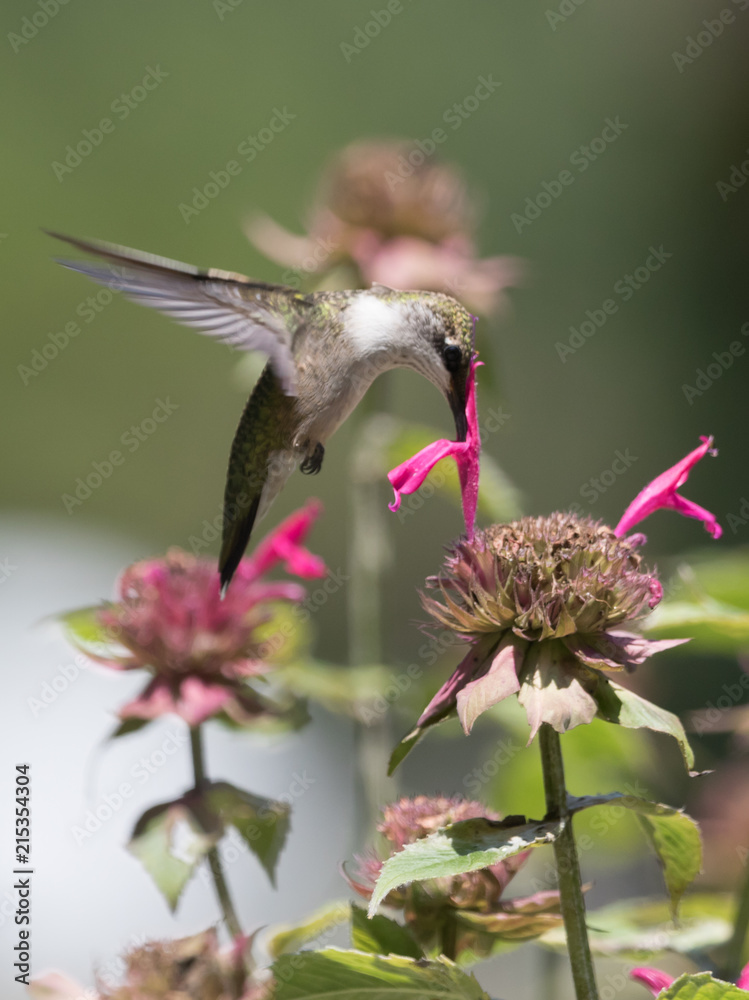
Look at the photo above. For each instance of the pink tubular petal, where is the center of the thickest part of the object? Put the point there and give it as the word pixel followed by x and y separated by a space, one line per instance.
pixel 654 979
pixel 409 476
pixel 743 981
pixel 661 493
pixel 284 545
pixel 195 703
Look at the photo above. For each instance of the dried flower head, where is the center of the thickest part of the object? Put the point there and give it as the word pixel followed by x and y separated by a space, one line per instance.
pixel 387 212
pixel 471 901
pixel 544 602
pixel 200 648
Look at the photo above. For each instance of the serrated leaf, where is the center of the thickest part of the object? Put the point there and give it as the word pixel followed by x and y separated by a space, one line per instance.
pixel 701 986
pixel 638 928
pixel 461 847
pixel 623 707
pixel 381 935
pixel 169 841
pixel 287 938
pixel 262 823
pixel 352 975
pixel 673 835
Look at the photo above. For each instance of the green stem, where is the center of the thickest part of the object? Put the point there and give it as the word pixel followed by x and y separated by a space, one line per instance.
pixel 214 861
pixel 732 956
pixel 568 866
pixel 449 936
pixel 368 555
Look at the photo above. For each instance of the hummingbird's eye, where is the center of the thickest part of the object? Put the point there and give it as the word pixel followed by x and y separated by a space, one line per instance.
pixel 452 357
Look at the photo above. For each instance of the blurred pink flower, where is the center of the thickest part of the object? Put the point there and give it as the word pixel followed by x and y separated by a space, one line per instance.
pixel 656 981
pixel 661 494
pixel 398 218
pixel 201 648
pixel 409 476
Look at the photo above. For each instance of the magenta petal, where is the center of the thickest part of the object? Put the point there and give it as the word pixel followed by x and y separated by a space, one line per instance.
pixel 743 981
pixel 654 979
pixel 284 545
pixel 661 493
pixel 195 703
pixel 409 476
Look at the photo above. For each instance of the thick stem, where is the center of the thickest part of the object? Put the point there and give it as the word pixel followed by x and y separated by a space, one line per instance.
pixel 732 956
pixel 449 936
pixel 214 861
pixel 368 556
pixel 568 866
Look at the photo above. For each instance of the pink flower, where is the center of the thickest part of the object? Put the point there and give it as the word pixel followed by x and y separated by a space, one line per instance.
pixel 656 981
pixel 409 476
pixel 661 493
pixel 201 648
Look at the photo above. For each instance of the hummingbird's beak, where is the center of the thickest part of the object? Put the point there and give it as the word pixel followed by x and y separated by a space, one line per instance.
pixel 456 397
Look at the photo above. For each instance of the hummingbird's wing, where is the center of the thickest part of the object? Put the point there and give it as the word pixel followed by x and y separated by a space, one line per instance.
pixel 228 306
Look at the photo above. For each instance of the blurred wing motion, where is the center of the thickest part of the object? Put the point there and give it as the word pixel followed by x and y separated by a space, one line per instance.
pixel 228 306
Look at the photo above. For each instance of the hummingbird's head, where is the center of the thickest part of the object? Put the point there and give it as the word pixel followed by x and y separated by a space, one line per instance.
pixel 444 348
pixel 428 331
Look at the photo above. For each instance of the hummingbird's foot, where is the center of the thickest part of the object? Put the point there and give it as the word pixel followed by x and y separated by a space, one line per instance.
pixel 313 462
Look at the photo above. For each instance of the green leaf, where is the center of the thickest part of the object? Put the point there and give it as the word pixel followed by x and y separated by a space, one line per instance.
pixel 638 928
pixel 287 938
pixel 352 691
pixel 702 986
pixel 353 975
pixel 404 748
pixel 461 847
pixel 619 705
pixel 673 835
pixel 128 726
pixel 170 840
pixel 381 935
pixel 84 630
pixel 712 625
pixel 262 823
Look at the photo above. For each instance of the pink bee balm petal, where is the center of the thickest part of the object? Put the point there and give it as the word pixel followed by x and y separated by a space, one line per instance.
pixel 661 494
pixel 743 981
pixel 654 979
pixel 195 703
pixel 409 476
pixel 284 545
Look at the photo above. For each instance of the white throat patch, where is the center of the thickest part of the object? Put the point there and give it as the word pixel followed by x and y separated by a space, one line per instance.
pixel 374 325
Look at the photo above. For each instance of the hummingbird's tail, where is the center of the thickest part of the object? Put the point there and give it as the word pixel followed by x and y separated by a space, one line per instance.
pixel 237 530
pixel 260 463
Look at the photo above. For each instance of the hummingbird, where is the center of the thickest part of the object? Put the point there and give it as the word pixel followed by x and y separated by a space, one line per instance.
pixel 324 350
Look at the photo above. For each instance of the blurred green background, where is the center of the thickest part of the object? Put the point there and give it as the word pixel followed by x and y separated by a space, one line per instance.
pixel 225 68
